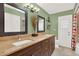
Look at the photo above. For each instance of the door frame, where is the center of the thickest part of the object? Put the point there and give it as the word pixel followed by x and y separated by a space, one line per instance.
pixel 71 29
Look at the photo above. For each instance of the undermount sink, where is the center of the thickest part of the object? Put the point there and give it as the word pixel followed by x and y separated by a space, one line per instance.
pixel 18 43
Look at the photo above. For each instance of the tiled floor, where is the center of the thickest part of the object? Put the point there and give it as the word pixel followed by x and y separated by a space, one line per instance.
pixel 62 51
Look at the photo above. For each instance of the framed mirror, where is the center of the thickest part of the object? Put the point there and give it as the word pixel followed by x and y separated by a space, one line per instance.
pixel 41 24
pixel 14 20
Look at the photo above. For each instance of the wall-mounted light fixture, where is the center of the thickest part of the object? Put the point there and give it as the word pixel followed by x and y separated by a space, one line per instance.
pixel 31 7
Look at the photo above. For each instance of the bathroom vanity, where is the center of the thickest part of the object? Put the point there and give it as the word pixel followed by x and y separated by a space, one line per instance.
pixel 42 48
pixel 14 40
pixel 42 45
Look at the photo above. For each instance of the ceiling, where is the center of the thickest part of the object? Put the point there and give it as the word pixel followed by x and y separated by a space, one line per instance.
pixel 56 7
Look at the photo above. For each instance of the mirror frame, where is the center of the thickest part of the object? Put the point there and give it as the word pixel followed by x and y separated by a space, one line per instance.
pixel 38 23
pixel 26 22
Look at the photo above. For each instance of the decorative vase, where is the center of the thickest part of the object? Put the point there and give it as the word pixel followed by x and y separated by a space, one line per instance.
pixel 34 23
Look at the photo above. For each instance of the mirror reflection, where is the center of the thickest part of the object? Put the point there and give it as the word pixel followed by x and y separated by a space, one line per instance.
pixel 14 19
pixel 41 24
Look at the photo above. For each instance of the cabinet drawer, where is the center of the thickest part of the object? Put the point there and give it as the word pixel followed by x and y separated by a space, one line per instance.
pixel 45 51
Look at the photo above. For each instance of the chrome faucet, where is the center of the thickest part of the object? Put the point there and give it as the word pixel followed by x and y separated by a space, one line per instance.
pixel 19 37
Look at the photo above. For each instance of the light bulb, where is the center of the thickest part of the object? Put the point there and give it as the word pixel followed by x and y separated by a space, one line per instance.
pixel 35 8
pixel 38 9
pixel 31 6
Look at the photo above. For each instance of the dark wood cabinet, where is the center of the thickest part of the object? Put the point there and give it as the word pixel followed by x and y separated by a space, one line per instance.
pixel 37 53
pixel 46 47
pixel 43 48
pixel 52 44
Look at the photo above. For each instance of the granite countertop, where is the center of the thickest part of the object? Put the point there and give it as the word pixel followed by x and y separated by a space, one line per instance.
pixel 6 47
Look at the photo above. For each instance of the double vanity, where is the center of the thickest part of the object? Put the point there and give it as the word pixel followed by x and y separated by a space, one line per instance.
pixel 14 37
pixel 26 45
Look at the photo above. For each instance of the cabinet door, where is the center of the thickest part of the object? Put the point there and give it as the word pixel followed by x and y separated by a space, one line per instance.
pixel 45 47
pixel 52 44
pixel 37 53
pixel 37 49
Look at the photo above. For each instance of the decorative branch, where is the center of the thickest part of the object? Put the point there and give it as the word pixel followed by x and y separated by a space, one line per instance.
pixel 34 22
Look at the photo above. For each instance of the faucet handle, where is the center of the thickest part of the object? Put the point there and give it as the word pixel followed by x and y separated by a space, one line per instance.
pixel 19 38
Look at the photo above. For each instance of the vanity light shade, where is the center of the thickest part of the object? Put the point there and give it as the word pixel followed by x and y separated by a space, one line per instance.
pixel 26 5
pixel 31 7
pixel 35 8
pixel 38 9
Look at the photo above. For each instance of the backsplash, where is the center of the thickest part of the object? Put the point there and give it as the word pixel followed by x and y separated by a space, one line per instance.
pixel 16 37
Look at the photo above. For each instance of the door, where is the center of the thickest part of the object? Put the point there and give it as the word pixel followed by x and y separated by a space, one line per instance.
pixel 65 30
